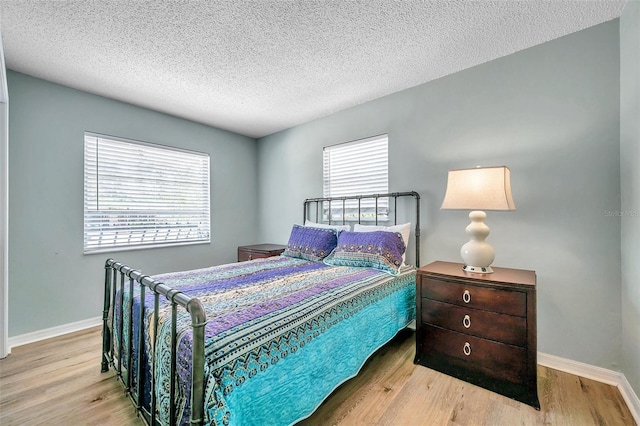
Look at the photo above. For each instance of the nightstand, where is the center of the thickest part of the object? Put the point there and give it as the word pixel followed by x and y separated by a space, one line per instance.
pixel 259 250
pixel 480 328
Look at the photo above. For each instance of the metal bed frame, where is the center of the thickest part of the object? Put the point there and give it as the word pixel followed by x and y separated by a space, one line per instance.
pixel 177 298
pixel 133 278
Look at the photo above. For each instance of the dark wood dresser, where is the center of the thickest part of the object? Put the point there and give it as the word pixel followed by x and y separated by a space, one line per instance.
pixel 480 328
pixel 259 250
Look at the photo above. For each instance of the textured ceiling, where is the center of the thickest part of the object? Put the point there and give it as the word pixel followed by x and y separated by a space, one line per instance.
pixel 257 67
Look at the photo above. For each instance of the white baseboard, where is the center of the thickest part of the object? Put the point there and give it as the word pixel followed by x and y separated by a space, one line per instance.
pixel 412 325
pixel 631 398
pixel 48 333
pixel 610 377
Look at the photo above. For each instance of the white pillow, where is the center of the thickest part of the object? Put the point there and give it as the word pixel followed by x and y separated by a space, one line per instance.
pixel 404 230
pixel 338 228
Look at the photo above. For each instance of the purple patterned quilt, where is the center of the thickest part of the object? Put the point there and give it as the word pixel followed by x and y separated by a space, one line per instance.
pixel 261 315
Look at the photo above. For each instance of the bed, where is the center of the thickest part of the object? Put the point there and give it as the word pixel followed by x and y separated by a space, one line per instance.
pixel 263 341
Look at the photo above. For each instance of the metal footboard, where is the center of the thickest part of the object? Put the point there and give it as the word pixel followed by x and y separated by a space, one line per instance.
pixel 133 279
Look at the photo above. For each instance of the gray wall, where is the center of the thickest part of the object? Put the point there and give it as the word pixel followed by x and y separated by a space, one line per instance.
pixel 551 113
pixel 51 282
pixel 630 186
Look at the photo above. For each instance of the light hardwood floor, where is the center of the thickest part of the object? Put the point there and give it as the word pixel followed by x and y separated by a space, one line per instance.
pixel 58 381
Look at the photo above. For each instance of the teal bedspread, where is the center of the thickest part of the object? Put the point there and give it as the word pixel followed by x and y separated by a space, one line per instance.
pixel 282 334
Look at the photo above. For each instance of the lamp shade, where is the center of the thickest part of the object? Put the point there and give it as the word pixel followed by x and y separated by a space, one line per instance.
pixel 480 188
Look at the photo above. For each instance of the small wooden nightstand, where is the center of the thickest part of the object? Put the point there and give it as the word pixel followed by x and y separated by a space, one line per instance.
pixel 480 328
pixel 259 250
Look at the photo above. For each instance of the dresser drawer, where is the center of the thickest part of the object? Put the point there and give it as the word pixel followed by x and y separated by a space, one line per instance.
pixel 491 358
pixel 250 255
pixel 476 297
pixel 258 251
pixel 487 325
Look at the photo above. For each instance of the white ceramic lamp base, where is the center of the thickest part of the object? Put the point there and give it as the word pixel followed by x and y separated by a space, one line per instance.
pixel 476 253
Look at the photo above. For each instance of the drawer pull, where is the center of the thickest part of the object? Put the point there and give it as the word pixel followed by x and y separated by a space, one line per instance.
pixel 466 321
pixel 250 256
pixel 466 296
pixel 466 349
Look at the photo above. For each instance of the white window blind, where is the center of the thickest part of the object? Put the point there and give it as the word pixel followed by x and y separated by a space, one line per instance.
pixel 357 168
pixel 139 195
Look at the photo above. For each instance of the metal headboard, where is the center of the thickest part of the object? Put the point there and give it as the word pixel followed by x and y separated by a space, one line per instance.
pixel 318 203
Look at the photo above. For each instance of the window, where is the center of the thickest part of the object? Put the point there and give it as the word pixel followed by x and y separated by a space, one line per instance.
pixel 357 168
pixel 140 195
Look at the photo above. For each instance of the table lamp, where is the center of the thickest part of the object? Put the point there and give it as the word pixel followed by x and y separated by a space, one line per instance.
pixel 478 189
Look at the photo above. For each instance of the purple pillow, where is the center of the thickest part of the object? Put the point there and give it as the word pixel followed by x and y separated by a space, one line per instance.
pixel 310 243
pixel 379 249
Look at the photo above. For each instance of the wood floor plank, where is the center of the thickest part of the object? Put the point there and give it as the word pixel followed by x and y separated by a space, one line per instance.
pixel 357 391
pixel 366 403
pixel 58 381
